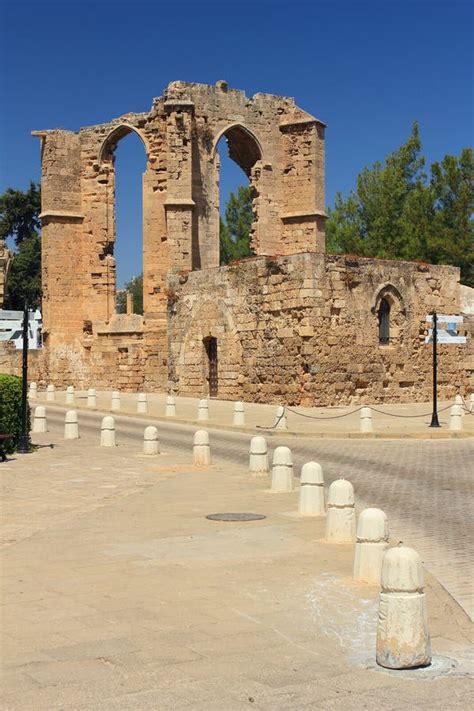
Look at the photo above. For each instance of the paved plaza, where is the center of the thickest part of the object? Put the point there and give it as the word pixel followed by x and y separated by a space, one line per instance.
pixel 118 593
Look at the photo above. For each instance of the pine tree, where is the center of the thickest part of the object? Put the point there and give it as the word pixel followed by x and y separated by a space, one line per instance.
pixel 235 229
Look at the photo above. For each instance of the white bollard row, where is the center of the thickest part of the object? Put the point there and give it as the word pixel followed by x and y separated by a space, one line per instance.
pixel 201 449
pixel 239 414
pixel 366 420
pixel 107 432
pixel 71 426
pixel 280 421
pixel 151 444
pixel 115 401
pixel 170 409
pixel 142 404
pixel 50 393
pixel 282 470
pixel 311 501
pixel 455 418
pixel 403 638
pixel 39 420
pixel 33 391
pixel 70 395
pixel 91 398
pixel 371 544
pixel 340 522
pixel 203 411
pixel 258 460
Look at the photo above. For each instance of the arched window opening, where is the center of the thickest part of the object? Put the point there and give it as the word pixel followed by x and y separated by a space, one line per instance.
pixel 384 322
pixel 125 155
pixel 238 155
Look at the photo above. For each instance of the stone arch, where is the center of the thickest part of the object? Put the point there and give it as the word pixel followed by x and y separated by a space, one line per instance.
pixel 389 301
pixel 244 146
pixel 116 134
pixel 209 319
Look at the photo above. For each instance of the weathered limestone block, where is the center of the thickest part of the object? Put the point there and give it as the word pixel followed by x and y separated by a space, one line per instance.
pixel 340 521
pixel 403 639
pixel 371 544
pixel 311 501
pixel 282 470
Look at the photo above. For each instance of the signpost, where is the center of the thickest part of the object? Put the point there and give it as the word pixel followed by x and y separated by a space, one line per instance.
pixel 24 439
pixel 448 334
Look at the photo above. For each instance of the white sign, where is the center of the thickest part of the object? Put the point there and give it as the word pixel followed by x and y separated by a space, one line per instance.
pixel 449 332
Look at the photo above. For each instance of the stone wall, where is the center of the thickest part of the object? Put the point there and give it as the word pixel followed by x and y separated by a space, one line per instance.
pixel 303 329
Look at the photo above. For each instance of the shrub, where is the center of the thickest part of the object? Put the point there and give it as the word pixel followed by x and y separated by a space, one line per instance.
pixel 10 410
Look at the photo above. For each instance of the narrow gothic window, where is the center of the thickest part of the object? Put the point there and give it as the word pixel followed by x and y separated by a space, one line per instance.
pixel 384 322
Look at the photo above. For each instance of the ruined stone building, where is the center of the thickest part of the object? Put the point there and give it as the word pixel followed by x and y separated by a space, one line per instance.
pixel 291 324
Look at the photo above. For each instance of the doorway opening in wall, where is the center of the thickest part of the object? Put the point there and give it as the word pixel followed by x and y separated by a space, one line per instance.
pixel 210 346
pixel 238 153
pixel 384 322
pixel 128 159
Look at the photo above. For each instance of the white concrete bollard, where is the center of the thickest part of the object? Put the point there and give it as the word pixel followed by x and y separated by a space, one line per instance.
pixel 91 398
pixel 151 444
pixel 366 420
pixel 142 403
pixel 403 638
pixel 71 426
pixel 170 410
pixel 239 414
pixel 70 395
pixel 203 411
pixel 455 418
pixel 340 522
pixel 282 470
pixel 459 400
pixel 39 420
pixel 311 502
pixel 107 432
pixel 258 462
pixel 33 391
pixel 115 401
pixel 280 422
pixel 50 394
pixel 471 403
pixel 201 449
pixel 371 544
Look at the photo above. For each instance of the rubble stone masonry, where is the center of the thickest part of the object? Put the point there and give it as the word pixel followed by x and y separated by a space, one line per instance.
pixel 292 324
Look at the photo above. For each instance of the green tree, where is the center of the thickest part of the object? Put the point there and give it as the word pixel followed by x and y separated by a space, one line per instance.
pixel 397 213
pixel 19 220
pixel 135 287
pixel 234 233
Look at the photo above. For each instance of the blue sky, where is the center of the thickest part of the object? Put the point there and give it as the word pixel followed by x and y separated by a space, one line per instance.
pixel 367 69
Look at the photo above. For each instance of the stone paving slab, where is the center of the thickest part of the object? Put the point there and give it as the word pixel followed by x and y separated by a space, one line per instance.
pixel 129 598
pixel 404 420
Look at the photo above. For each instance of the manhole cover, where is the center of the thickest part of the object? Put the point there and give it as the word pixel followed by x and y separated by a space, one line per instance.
pixel 235 517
